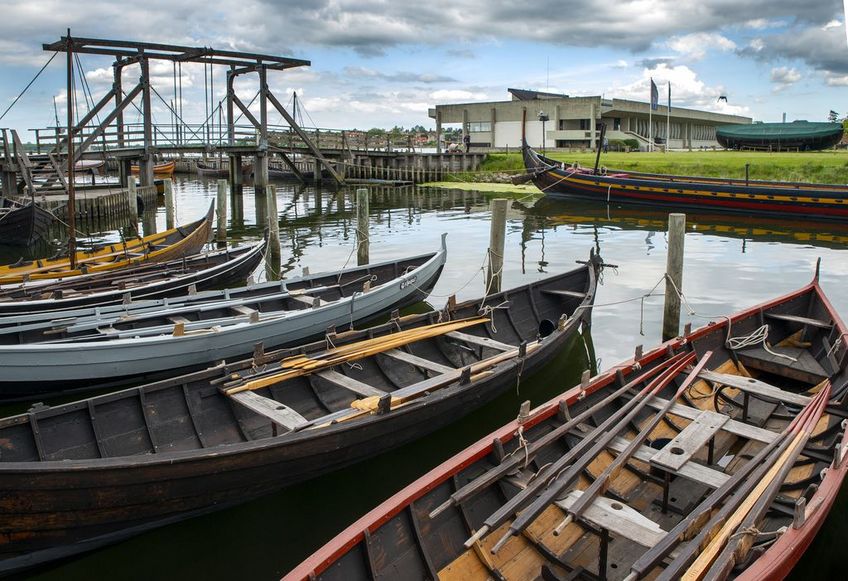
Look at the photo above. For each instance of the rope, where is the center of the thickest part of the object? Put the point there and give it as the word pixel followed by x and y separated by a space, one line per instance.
pixel 755 338
pixel 21 94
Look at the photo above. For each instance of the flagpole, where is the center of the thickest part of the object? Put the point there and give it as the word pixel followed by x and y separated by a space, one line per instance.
pixel 668 120
pixel 650 116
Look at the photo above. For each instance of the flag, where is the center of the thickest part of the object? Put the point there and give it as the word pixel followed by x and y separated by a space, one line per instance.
pixel 655 96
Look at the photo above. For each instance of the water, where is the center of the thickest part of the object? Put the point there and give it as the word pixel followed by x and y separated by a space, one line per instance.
pixel 731 263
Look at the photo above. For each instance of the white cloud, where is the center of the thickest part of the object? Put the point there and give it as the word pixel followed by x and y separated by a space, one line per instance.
pixel 783 77
pixel 457 95
pixel 832 24
pixel 756 44
pixel 833 80
pixel 696 45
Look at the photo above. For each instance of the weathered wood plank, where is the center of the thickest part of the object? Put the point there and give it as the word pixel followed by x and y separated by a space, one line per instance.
pixel 278 413
pixel 798 319
pixel 481 341
pixel 350 383
pixel 755 386
pixel 692 438
pixel 733 426
pixel 618 518
pixel 564 293
pixel 691 470
pixel 418 361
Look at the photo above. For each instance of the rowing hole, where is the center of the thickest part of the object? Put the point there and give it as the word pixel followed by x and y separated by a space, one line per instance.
pixel 613 565
pixel 676 451
pixel 616 506
pixel 546 327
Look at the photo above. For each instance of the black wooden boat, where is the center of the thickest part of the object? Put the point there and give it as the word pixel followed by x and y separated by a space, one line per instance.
pixel 23 225
pixel 144 281
pixel 80 475
pixel 222 170
pixel 633 473
pixel 782 199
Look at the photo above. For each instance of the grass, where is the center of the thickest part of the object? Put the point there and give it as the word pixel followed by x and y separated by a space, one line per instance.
pixel 818 167
pixel 489 188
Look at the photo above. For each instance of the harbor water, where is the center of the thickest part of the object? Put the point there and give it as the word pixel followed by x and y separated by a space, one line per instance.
pixel 731 262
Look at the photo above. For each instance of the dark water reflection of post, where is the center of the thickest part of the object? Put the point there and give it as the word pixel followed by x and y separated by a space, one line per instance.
pixel 237 205
pixel 273 254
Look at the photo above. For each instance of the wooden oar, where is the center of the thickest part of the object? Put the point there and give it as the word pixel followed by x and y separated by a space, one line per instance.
pixel 602 482
pixel 302 365
pixel 753 473
pixel 510 463
pixel 598 445
pixel 601 432
pixel 770 482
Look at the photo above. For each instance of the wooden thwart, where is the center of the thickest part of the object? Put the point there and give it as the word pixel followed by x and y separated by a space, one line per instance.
pixel 692 438
pixel 618 518
pixel 755 386
pixel 564 293
pixel 735 427
pixel 418 361
pixel 802 320
pixel 278 413
pixel 481 341
pixel 690 470
pixel 350 383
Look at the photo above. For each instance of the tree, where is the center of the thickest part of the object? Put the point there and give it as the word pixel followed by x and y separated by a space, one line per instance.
pixel 833 116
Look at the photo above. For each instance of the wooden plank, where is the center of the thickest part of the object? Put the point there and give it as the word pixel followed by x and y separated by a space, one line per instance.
pixel 278 413
pixel 798 319
pixel 690 470
pixel 243 310
pixel 350 383
pixel 735 427
pixel 308 300
pixel 689 441
pixel 418 361
pixel 755 386
pixel 481 341
pixel 805 368
pixel 564 293
pixel 618 518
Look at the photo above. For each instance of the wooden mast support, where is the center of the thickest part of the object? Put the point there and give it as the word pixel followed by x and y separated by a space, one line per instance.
pixel 674 276
pixel 72 214
pixel 362 242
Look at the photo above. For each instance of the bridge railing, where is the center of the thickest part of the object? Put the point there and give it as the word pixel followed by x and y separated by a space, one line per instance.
pixel 184 136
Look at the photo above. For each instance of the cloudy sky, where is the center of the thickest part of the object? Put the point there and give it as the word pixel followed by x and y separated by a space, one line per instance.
pixel 384 62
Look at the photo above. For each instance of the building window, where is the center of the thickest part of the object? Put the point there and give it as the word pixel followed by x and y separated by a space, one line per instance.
pixel 561 125
pixel 480 127
pixel 616 124
pixel 584 124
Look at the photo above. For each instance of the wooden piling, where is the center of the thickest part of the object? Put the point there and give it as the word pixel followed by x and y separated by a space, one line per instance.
pixel 221 211
pixel 674 276
pixel 362 226
pixel 170 208
pixel 273 255
pixel 497 240
pixel 132 204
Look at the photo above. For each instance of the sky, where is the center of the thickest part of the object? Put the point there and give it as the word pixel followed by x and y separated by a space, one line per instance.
pixel 379 63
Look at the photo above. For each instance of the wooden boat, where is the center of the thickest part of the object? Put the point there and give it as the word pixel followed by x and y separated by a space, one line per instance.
pixel 23 225
pixel 783 199
pixel 111 351
pixel 223 170
pixel 714 455
pixel 162 170
pixel 80 475
pixel 167 245
pixel 144 281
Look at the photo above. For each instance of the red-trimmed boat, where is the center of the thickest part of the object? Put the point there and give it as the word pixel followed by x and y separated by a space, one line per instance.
pixel 783 199
pixel 715 455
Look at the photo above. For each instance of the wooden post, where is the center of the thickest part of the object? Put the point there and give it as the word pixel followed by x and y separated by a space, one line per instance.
pixel 169 204
pixel 674 276
pixel 362 226
pixel 221 211
pixel 497 239
pixel 132 204
pixel 273 254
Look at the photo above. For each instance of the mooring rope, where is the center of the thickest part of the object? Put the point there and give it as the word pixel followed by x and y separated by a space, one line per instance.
pixel 21 94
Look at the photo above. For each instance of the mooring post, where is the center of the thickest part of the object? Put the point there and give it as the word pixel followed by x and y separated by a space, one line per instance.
pixel 169 204
pixel 273 255
pixel 362 226
pixel 497 239
pixel 221 211
pixel 674 276
pixel 132 203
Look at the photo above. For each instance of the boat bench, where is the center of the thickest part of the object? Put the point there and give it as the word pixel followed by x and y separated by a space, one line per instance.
pixel 564 293
pixel 756 387
pixel 481 341
pixel 732 426
pixel 617 517
pixel 278 413
pixel 680 449
pixel 311 301
pixel 797 319
pixel 349 383
pixel 417 361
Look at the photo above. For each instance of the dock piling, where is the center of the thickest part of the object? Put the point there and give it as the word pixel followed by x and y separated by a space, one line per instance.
pixel 362 242
pixel 674 276
pixel 273 254
pixel 221 212
pixel 497 240
pixel 170 208
pixel 132 204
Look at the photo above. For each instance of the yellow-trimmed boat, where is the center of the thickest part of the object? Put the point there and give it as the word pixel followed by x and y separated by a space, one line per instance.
pixel 162 170
pixel 168 245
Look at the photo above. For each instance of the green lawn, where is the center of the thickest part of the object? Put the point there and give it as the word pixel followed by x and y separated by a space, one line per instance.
pixel 820 167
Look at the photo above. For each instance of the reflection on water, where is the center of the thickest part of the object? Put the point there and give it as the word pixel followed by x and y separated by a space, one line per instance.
pixel 731 262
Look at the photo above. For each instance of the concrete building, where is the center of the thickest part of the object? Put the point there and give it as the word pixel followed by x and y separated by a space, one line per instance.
pixel 572 122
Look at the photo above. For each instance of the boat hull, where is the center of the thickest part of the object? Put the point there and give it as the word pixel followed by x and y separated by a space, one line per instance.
pixel 25 225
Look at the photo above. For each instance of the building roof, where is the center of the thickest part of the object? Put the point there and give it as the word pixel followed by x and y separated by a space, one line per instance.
pixel 528 95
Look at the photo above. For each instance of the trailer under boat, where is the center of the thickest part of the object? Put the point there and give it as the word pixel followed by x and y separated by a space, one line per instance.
pixel 80 475
pixel 142 282
pixel 715 455
pixel 168 245
pixel 108 350
pixel 781 199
